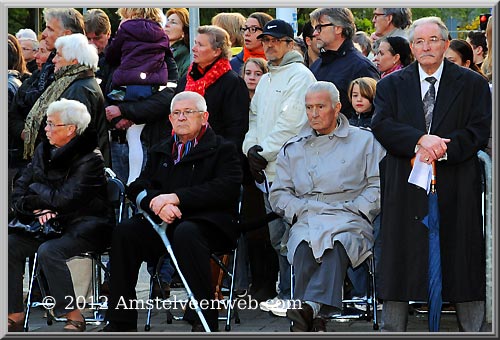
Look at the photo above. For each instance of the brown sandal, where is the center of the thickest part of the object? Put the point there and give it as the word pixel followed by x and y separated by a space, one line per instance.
pixel 15 326
pixel 75 326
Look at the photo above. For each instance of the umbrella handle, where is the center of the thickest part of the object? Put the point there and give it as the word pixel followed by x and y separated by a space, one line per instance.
pixel 433 178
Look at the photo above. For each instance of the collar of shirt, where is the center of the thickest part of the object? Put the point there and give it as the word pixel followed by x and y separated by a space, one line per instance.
pixel 424 84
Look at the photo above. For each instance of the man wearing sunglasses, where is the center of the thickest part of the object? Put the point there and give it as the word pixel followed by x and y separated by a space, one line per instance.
pixel 339 62
pixel 276 115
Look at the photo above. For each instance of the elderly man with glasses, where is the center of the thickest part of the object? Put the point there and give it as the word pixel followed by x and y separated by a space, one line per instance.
pixel 192 183
pixel 390 22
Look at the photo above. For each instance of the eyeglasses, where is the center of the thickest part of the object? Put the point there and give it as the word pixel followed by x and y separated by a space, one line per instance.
pixel 320 26
pixel 186 113
pixel 433 41
pixel 376 15
pixel 273 40
pixel 52 125
pixel 252 29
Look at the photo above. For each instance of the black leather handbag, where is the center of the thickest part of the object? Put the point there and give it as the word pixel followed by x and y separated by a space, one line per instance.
pixel 51 229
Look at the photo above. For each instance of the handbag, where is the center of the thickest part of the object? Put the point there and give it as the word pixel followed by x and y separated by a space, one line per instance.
pixel 51 229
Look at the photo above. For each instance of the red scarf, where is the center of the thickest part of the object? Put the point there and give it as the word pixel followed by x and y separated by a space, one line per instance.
pixel 218 69
pixel 253 54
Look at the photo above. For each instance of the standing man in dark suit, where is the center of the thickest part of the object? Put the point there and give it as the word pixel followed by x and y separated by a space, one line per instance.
pixel 458 128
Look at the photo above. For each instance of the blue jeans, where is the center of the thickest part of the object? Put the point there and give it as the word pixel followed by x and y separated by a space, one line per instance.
pixel 166 270
pixel 278 229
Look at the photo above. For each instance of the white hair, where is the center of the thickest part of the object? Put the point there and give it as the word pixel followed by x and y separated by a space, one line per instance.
pixel 198 99
pixel 76 46
pixel 26 34
pixel 71 112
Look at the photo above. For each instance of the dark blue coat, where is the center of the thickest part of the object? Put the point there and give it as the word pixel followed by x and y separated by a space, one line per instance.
pixel 341 67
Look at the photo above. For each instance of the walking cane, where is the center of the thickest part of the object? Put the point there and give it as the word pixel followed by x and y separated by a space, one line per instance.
pixel 161 230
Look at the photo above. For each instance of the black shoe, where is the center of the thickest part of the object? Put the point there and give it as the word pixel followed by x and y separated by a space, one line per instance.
pixel 119 327
pixel 302 318
pixel 105 288
pixel 197 327
pixel 319 325
pixel 157 291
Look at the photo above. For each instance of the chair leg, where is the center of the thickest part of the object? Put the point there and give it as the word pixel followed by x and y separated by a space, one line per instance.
pixel 147 326
pixel 28 302
pixel 374 293
pixel 231 292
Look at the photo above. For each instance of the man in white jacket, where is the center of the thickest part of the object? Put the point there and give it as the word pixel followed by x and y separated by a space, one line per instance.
pixel 276 115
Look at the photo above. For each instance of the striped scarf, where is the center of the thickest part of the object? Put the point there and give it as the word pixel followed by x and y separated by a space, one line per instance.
pixel 33 123
pixel 180 149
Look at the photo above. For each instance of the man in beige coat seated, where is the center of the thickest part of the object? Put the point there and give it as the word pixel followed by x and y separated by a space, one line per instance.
pixel 327 187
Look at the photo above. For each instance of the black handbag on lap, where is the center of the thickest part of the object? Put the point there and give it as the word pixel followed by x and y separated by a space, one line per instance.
pixel 51 229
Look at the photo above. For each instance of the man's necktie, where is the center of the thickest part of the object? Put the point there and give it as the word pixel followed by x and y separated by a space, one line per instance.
pixel 429 100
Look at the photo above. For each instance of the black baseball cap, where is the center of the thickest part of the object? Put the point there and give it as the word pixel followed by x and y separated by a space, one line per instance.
pixel 277 28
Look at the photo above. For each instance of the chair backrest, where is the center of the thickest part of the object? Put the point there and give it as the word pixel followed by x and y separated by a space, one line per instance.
pixel 116 194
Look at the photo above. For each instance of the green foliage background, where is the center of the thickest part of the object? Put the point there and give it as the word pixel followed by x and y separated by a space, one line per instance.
pixel 467 18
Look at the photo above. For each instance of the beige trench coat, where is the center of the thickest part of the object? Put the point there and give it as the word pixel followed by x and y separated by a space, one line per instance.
pixel 328 183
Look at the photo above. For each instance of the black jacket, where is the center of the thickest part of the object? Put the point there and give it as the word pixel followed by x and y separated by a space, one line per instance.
pixel 207 181
pixel 86 90
pixel 70 181
pixel 341 67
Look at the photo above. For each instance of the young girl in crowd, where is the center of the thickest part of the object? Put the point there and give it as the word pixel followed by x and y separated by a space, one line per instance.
pixel 361 93
pixel 141 51
pixel 252 71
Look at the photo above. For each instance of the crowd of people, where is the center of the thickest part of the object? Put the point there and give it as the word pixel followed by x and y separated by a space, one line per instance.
pixel 314 137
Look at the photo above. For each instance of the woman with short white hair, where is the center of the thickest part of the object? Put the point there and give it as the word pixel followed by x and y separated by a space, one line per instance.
pixel 75 64
pixel 65 184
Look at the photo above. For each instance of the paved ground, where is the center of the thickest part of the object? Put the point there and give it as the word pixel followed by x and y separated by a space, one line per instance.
pixel 252 321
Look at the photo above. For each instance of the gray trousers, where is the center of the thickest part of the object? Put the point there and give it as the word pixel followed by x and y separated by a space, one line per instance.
pixel 320 282
pixel 471 316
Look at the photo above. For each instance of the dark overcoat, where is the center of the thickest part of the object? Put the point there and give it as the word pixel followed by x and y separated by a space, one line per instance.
pixel 70 181
pixel 207 181
pixel 463 114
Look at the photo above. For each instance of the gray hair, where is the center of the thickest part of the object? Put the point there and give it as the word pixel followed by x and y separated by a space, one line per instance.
pixel 326 86
pixel 71 112
pixel 69 18
pixel 401 17
pixel 77 46
pixel 342 17
pixel 218 38
pixel 198 99
pixel 428 20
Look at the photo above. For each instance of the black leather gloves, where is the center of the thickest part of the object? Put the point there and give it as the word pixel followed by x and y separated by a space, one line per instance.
pixel 257 163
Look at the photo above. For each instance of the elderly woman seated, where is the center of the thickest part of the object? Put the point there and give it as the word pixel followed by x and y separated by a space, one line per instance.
pixel 64 181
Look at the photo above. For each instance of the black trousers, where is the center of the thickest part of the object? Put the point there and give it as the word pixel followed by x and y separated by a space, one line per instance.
pixel 135 241
pixel 52 260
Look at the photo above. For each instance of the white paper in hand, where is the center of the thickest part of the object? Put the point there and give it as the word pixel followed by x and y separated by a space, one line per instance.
pixel 421 174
